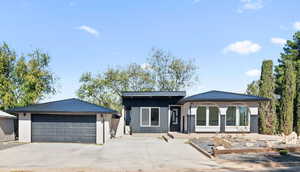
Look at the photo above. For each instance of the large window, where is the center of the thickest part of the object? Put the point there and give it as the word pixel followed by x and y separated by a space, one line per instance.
pixel 213 116
pixel 201 116
pixel 231 116
pixel 244 113
pixel 237 116
pixel 149 117
pixel 207 116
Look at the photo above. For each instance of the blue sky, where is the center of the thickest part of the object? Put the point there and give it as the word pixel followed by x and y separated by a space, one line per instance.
pixel 227 39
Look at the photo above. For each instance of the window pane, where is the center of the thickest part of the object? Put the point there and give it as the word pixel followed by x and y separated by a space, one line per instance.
pixel 145 116
pixel 231 116
pixel 201 116
pixel 154 117
pixel 243 116
pixel 213 116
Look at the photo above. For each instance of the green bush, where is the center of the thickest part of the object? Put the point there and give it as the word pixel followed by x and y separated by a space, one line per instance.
pixel 283 152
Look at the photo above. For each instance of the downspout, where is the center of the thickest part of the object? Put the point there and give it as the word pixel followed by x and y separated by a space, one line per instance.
pixel 103 128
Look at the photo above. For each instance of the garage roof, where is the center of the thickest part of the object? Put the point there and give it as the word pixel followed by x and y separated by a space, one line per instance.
pixel 6 115
pixel 72 105
pixel 222 96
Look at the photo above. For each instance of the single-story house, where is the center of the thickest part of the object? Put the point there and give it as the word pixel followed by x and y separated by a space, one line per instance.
pixel 213 111
pixel 7 131
pixel 70 120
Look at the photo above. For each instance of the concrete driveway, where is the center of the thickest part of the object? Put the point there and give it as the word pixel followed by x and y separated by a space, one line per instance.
pixel 126 153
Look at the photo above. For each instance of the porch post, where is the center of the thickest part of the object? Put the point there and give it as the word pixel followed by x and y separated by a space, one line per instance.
pixel 25 127
pixel 253 119
pixel 100 129
pixel 222 119
pixel 191 117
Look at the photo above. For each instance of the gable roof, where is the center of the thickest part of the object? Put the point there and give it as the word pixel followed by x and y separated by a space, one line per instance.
pixel 67 105
pixel 6 115
pixel 222 96
pixel 153 94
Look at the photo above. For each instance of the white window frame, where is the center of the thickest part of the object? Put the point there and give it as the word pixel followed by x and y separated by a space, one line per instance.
pixel 237 127
pixel 207 127
pixel 149 108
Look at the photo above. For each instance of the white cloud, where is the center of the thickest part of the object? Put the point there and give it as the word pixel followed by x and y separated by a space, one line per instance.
pixel 89 30
pixel 297 25
pixel 278 41
pixel 253 72
pixel 251 5
pixel 242 47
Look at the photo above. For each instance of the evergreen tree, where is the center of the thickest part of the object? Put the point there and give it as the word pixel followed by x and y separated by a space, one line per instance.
pixel 267 114
pixel 287 98
pixel 291 54
pixel 298 99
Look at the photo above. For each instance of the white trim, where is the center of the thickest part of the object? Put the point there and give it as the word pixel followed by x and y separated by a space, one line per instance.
pixel 149 125
pixel 237 127
pixel 207 127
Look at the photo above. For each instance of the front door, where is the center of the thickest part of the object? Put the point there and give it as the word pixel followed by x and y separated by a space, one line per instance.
pixel 175 119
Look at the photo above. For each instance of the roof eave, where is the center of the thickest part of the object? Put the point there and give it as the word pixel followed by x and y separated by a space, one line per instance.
pixel 63 112
pixel 225 100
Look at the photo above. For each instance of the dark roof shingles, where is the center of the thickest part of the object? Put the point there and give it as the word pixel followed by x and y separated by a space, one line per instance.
pixel 223 96
pixel 67 105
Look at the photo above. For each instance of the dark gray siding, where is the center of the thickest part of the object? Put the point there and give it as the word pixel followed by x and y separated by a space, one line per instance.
pixel 135 121
pixel 254 123
pixel 63 128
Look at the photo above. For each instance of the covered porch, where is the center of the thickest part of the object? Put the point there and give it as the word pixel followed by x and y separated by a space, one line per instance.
pixel 220 112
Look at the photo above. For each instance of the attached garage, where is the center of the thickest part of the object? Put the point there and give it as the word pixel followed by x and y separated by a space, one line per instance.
pixel 70 120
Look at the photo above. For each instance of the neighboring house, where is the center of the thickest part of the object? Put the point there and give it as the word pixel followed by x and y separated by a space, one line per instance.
pixel 70 120
pixel 7 129
pixel 213 111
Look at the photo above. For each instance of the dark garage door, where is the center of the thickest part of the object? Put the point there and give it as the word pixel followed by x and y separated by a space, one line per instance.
pixel 63 128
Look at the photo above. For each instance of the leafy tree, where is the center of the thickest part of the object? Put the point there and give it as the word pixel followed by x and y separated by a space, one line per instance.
pixel 35 80
pixel 24 81
pixel 287 98
pixel 267 113
pixel 7 86
pixel 164 73
pixel 171 73
pixel 253 88
pixel 95 90
pixel 106 89
pixel 139 78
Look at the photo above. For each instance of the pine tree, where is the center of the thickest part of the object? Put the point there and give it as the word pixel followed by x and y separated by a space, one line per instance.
pixel 287 98
pixel 267 114
pixel 297 103
pixel 291 53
